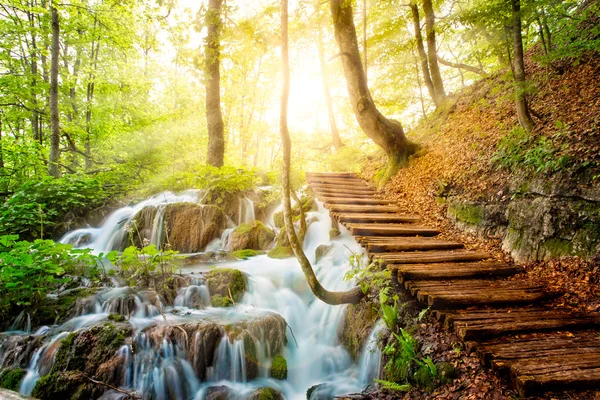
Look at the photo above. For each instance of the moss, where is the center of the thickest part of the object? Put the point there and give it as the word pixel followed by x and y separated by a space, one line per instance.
pixel 52 311
pixel 333 233
pixel 358 322
pixel 558 247
pixel 220 301
pixel 246 253
pixel 423 378
pixel 281 252
pixel 226 282
pixel 116 318
pixel 67 385
pixel 446 372
pixel 468 213
pixel 243 229
pixel 278 219
pixel 11 378
pixel 265 394
pixel 279 368
pixel 254 235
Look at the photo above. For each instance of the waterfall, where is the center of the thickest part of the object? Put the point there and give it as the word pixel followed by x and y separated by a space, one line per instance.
pixel 184 348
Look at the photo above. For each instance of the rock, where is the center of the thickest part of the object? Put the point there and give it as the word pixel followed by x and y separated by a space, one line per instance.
pixel 333 233
pixel 254 235
pixel 279 368
pixel 245 254
pixel 10 395
pixel 446 372
pixel 219 393
pixel 11 378
pixel 281 252
pixel 229 202
pixel 358 323
pixel 322 251
pixel 278 219
pixel 265 394
pixel 226 282
pixel 322 391
pixel 188 227
pixel 16 351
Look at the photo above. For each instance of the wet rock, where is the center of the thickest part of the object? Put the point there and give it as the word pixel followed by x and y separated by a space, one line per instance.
pixel 333 233
pixel 254 235
pixel 358 323
pixel 6 394
pixel 187 227
pixel 265 394
pixel 226 282
pixel 279 368
pixel 322 251
pixel 322 391
pixel 219 393
pixel 16 351
pixel 228 202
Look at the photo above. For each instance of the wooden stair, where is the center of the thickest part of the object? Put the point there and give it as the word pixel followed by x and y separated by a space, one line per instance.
pixel 504 321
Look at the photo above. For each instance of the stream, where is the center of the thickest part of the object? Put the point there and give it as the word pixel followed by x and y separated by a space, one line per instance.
pixel 159 364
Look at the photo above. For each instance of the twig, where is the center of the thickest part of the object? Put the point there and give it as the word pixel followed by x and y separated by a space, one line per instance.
pixel 230 296
pixel 185 334
pixel 294 337
pixel 132 395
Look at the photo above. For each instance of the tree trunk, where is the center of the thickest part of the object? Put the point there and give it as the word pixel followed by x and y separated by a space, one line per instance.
pixel 434 67
pixel 214 118
pixel 519 69
pixel 54 119
pixel 364 17
pixel 335 134
pixel 334 298
pixel 387 134
pixel 421 49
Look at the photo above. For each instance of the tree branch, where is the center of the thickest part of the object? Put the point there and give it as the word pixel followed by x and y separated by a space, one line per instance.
pixel 466 67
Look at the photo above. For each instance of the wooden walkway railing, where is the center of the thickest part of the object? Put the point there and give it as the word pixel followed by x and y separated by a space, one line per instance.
pixel 506 322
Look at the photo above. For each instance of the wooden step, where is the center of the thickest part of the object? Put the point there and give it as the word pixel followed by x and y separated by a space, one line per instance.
pixel 331 174
pixel 350 200
pixel 346 192
pixel 422 257
pixel 438 271
pixel 373 217
pixel 466 293
pixel 337 181
pixel 362 209
pixel 356 195
pixel 411 244
pixel 341 185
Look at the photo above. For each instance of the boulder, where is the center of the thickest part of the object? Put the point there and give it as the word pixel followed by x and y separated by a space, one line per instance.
pixel 225 283
pixel 254 235
pixel 265 394
pixel 322 251
pixel 279 368
pixel 358 323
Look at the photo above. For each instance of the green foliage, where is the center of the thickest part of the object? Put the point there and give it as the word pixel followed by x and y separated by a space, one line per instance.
pixel 534 154
pixel 396 387
pixel 38 207
pixel 227 179
pixel 281 252
pixel 279 369
pixel 30 270
pixel 138 265
pixel 11 378
pixel 368 276
pixel 245 253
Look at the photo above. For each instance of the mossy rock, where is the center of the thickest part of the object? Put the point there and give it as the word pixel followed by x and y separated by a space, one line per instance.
pixel 472 214
pixel 246 253
pixel 281 252
pixel 333 233
pixel 423 378
pixel 11 378
pixel 358 323
pixel 57 310
pixel 279 368
pixel 226 282
pixel 254 235
pixel 446 372
pixel 265 394
pixel 322 251
pixel 278 219
pixel 220 301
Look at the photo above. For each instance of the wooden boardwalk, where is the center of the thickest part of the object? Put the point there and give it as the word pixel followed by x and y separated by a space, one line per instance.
pixel 506 322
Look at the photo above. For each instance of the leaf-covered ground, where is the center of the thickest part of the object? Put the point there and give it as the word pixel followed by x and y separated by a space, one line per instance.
pixel 458 147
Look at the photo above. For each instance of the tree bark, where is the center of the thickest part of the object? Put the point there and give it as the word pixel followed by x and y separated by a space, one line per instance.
pixel 334 298
pixel 466 67
pixel 387 134
pixel 54 118
pixel 364 17
pixel 335 134
pixel 519 69
pixel 421 49
pixel 214 117
pixel 432 57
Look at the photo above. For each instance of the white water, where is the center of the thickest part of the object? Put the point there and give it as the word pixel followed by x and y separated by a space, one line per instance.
pixel 165 370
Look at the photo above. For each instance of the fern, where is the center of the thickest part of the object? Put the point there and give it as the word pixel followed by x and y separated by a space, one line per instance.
pixel 388 385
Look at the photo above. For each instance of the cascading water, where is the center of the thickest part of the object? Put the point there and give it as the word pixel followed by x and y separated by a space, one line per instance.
pixel 185 349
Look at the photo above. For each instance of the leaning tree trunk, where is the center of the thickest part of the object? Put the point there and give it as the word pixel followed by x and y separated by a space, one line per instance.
pixel 335 133
pixel 352 296
pixel 387 134
pixel 54 119
pixel 421 49
pixel 214 118
pixel 432 56
pixel 519 69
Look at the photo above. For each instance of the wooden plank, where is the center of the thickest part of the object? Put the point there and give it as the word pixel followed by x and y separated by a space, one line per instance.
pixel 412 244
pixel 363 209
pixel 356 201
pixel 341 194
pixel 431 256
pixel 333 180
pixel 373 217
pixel 391 230
pixel 436 271
pixel 345 192
pixel 331 175
pixel 528 385
pixel 483 298
pixel 470 331
pixel 345 186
